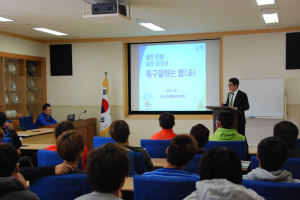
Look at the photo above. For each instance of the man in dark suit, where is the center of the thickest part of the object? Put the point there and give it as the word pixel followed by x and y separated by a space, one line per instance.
pixel 238 100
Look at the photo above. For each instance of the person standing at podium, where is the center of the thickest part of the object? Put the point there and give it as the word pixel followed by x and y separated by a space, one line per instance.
pixel 45 117
pixel 237 100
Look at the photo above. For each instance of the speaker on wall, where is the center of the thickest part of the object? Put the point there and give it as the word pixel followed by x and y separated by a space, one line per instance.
pixel 61 60
pixel 293 50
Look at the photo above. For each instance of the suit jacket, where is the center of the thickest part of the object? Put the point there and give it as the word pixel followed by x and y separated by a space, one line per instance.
pixel 241 103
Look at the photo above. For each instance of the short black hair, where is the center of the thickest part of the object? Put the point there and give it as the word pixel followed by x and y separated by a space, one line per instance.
pixel 182 149
pixel 45 106
pixel 227 119
pixel 119 131
pixel 8 159
pixel 166 120
pixel 106 167
pixel 221 163
pixel 287 131
pixel 3 119
pixel 234 81
pixel 272 153
pixel 201 134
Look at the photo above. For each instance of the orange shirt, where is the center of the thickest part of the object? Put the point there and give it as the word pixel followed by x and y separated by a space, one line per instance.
pixel 84 156
pixel 164 134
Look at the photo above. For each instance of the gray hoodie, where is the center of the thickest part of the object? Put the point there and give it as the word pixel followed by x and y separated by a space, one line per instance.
pixel 221 189
pixel 12 188
pixel 281 176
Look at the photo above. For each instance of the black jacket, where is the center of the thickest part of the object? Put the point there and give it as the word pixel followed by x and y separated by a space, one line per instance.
pixel 16 140
pixel 241 103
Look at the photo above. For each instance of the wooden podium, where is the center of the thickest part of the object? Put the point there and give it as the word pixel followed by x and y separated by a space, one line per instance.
pixel 87 127
pixel 218 109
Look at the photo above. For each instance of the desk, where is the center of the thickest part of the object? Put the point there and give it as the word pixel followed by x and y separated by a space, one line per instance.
pixel 252 151
pixel 159 162
pixel 45 136
pixel 87 127
pixel 128 186
pixel 34 147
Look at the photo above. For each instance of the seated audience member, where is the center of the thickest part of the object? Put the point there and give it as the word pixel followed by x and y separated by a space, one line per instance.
pixel 1 135
pixel 180 152
pixel 272 152
pixel 45 117
pixel 107 168
pixel 288 132
pixel 58 130
pixel 220 172
pixel 10 132
pixel 225 131
pixel 70 147
pixel 166 121
pixel 119 131
pixel 12 184
pixel 201 134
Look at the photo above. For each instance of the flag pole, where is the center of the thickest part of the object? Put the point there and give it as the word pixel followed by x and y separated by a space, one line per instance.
pixel 105 84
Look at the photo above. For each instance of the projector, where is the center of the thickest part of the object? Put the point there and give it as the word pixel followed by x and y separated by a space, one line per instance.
pixel 108 8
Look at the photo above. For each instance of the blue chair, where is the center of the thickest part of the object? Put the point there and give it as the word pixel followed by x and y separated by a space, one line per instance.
pixel 297 145
pixel 193 165
pixel 156 148
pixel 50 158
pixel 137 164
pixel 238 147
pixel 8 140
pixel 292 165
pixel 26 122
pixel 99 141
pixel 274 191
pixel 157 188
pixel 65 187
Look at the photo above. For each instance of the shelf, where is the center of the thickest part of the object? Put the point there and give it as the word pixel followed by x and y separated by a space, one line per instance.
pixel 14 104
pixel 15 91
pixel 14 74
pixel 35 89
pixel 33 75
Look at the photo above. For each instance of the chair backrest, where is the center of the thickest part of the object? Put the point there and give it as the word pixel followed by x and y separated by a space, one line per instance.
pixel 137 164
pixel 274 191
pixel 157 188
pixel 292 165
pixel 297 145
pixel 48 158
pixel 238 147
pixel 156 148
pixel 8 140
pixel 193 165
pixel 99 141
pixel 66 187
pixel 26 122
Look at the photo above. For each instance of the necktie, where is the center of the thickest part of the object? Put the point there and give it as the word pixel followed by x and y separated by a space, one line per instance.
pixel 231 99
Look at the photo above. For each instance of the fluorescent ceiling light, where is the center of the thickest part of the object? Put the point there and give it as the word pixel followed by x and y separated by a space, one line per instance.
pixel 2 19
pixel 271 18
pixel 152 26
pixel 265 2
pixel 49 31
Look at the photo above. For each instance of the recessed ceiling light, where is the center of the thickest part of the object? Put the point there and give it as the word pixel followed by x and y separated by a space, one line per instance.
pixel 152 26
pixel 2 19
pixel 271 18
pixel 265 2
pixel 49 31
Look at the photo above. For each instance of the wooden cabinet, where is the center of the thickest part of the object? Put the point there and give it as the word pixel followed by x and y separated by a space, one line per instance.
pixel 23 88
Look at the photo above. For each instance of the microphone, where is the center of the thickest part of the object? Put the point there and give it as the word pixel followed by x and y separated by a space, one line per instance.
pixel 81 113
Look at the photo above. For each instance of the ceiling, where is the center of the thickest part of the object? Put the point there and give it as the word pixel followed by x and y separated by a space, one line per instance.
pixel 176 16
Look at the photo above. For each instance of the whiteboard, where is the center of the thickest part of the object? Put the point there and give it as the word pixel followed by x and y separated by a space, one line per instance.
pixel 265 96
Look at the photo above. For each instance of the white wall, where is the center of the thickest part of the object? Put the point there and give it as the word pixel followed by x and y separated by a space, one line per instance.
pixel 20 46
pixel 261 56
